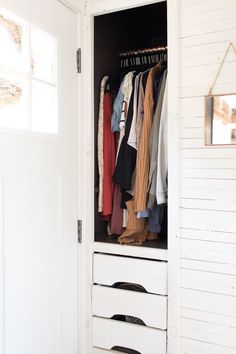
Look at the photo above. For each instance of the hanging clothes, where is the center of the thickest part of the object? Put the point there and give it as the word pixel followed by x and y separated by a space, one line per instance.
pixel 136 229
pixel 139 125
pixel 140 108
pixel 109 156
pixel 127 88
pixel 100 144
pixel 134 169
pixel 116 222
pixel 126 160
pixel 117 109
pixel 141 184
pixel 162 159
pixel 155 219
pixel 132 139
pixel 153 146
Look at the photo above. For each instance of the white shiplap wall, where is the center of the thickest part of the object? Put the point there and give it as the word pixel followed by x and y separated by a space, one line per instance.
pixel 208 184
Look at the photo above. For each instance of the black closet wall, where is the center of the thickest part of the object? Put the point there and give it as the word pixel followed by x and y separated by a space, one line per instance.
pixel 138 28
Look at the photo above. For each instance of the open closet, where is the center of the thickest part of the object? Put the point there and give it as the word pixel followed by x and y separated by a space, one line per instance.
pixel 130 41
pixel 129 291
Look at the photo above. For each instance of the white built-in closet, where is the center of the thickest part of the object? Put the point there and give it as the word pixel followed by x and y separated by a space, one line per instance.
pixel 129 283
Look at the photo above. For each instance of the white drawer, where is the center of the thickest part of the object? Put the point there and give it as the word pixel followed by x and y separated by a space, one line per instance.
pixel 151 309
pixel 152 275
pixel 108 334
pixel 104 351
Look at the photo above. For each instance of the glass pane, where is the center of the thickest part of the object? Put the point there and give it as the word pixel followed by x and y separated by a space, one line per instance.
pixel 220 119
pixel 44 55
pixel 14 42
pixel 44 108
pixel 14 102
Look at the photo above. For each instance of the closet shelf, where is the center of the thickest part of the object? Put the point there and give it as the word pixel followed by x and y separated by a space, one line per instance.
pixel 151 249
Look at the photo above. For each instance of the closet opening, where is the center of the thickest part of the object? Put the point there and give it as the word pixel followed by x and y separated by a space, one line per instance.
pixel 130 41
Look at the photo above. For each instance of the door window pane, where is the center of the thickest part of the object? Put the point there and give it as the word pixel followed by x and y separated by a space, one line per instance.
pixel 44 108
pixel 44 55
pixel 14 102
pixel 28 76
pixel 14 42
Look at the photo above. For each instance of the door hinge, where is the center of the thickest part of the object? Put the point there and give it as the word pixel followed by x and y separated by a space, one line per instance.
pixel 79 230
pixel 78 55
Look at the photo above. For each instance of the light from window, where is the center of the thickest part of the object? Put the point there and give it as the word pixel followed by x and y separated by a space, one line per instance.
pixel 28 76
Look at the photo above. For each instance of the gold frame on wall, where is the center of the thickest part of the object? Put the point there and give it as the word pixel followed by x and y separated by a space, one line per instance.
pixel 209 119
pixel 209 115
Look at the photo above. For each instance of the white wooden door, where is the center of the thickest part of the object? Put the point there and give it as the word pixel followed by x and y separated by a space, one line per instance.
pixel 38 167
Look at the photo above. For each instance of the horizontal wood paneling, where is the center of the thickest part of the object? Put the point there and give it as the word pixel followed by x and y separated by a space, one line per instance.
pixel 208 153
pixel 206 18
pixel 191 107
pixel 207 235
pixel 204 193
pixel 195 122
pixel 195 346
pixel 190 2
pixel 208 266
pixel 188 203
pixel 206 60
pixel 206 73
pixel 208 332
pixel 216 252
pixel 198 52
pixel 208 317
pixel 208 38
pixel 198 7
pixel 209 282
pixel 195 29
pixel 192 132
pixel 209 220
pixel 189 91
pixel 204 183
pixel 208 163
pixel 208 302
pixel 215 173
pixel 208 184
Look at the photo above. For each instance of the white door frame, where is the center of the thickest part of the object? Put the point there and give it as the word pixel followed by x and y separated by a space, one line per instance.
pixel 86 136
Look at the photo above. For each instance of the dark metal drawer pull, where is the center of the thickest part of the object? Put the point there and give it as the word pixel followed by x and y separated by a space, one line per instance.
pixel 129 319
pixel 125 350
pixel 130 287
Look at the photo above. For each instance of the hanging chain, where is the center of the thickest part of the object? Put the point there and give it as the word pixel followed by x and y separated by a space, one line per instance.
pixel 221 65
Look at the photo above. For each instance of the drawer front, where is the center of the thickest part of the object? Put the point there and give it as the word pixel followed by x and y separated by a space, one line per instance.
pixel 104 351
pixel 152 275
pixel 108 334
pixel 151 309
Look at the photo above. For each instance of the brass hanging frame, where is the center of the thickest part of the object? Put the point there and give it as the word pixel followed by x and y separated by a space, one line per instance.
pixel 208 123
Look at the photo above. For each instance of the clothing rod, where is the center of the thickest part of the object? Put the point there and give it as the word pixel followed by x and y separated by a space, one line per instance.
pixel 143 51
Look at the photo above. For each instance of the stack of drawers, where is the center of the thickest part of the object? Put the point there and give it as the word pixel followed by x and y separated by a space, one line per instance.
pixel 149 306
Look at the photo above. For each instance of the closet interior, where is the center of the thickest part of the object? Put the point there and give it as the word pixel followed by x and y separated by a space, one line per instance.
pixel 124 41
